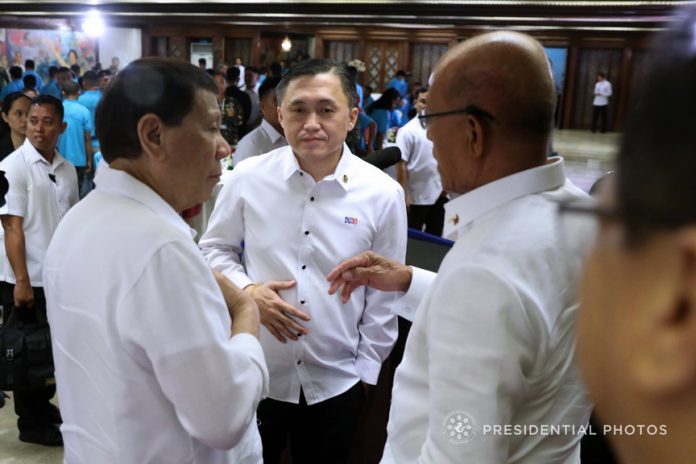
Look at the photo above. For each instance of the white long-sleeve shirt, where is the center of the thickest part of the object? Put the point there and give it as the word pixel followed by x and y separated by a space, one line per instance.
pixel 602 92
pixel 417 152
pixel 294 228
pixel 493 342
pixel 146 369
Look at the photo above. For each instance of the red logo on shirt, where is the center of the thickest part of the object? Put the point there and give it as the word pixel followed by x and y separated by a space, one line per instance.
pixel 350 220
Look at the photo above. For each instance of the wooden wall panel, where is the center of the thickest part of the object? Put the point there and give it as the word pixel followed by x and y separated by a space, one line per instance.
pixel 218 51
pixel 341 50
pixel 424 57
pixel 178 48
pixel 238 48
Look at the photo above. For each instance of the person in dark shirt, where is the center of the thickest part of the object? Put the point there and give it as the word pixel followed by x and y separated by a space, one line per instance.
pixel 236 109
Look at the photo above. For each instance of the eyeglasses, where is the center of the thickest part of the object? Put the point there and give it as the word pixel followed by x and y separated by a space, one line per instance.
pixel 638 223
pixel 469 109
pixel 589 207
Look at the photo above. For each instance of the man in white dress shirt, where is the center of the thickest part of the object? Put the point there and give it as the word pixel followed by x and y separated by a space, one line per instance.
pixel 490 354
pixel 157 359
pixel 269 135
pixel 600 102
pixel 417 173
pixel 42 187
pixel 298 211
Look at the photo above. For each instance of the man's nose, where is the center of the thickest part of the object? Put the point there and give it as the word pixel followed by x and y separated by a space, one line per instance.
pixel 312 120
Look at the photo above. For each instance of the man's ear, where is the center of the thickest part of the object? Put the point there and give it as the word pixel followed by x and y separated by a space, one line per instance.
pixel 280 116
pixel 353 118
pixel 63 126
pixel 150 134
pixel 666 363
pixel 474 135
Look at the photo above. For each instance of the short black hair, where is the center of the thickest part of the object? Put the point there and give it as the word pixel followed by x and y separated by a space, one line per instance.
pixel 63 69
pixel 52 70
pixel 29 64
pixel 50 100
pixel 70 88
pixel 90 78
pixel 233 75
pixel 276 69
pixel 417 93
pixel 401 73
pixel 15 72
pixel 252 69
pixel 165 87
pixel 656 165
pixel 315 66
pixel 267 86
pixel 29 81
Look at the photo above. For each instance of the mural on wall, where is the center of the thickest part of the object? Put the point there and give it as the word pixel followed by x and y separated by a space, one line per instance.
pixel 47 48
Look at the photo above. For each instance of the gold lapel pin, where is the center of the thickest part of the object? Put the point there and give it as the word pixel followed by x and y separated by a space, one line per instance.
pixel 455 219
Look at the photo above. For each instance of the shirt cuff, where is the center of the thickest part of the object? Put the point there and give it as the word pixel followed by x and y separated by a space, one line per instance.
pixel 251 345
pixel 368 370
pixel 408 303
pixel 240 279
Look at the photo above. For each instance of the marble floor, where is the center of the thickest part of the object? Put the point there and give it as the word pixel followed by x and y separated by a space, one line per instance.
pixel 588 156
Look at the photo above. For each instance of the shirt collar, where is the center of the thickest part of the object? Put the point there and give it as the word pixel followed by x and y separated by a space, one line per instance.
pixel 341 174
pixel 472 205
pixel 115 181
pixel 33 156
pixel 273 134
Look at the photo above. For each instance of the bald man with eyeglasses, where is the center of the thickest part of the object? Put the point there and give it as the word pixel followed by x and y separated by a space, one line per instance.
pixel 488 372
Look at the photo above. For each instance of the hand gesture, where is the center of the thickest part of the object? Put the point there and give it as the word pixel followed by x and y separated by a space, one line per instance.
pixel 279 317
pixel 369 269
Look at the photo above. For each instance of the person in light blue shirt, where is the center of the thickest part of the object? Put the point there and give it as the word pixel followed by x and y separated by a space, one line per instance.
pixel 399 83
pixel 382 112
pixel 29 71
pixel 75 142
pixel 90 99
pixel 17 83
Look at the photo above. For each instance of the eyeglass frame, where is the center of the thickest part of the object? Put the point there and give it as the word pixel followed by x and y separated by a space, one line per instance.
pixel 469 109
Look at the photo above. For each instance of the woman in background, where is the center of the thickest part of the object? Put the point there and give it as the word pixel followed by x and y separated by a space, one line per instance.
pixel 13 127
pixel 382 112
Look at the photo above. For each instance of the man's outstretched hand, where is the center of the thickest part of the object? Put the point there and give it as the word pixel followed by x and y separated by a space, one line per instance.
pixel 369 269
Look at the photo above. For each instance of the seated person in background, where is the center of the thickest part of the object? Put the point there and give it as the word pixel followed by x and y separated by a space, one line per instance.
pixel 167 366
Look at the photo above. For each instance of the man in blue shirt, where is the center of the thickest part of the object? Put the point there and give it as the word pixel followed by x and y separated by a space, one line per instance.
pixel 29 71
pixel 89 99
pixel 75 142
